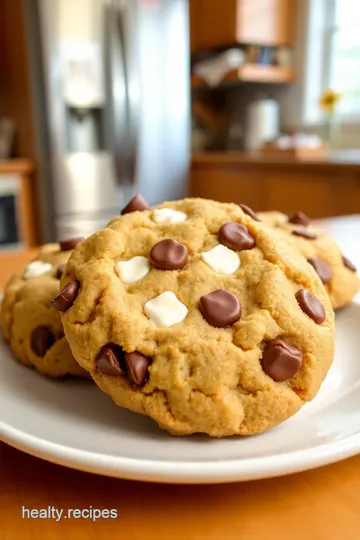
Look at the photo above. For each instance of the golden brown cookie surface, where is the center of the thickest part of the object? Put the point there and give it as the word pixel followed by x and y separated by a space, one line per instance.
pixel 203 337
pixel 31 326
pixel 336 271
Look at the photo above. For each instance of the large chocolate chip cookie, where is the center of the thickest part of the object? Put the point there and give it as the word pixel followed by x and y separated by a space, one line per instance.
pixel 199 316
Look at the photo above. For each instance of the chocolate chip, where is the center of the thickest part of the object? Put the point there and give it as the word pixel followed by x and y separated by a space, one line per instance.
pixel 109 360
pixel 322 269
pixel 65 299
pixel 299 218
pixel 247 210
pixel 236 236
pixel 137 203
pixel 349 264
pixel 41 340
pixel 309 235
pixel 60 270
pixel 137 367
pixel 220 308
pixel 311 305
pixel 169 255
pixel 66 245
pixel 280 360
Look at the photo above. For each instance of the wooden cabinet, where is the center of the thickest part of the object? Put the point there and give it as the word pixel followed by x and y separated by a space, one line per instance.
pixel 346 189
pixel 292 190
pixel 226 183
pixel 266 22
pixel 319 189
pixel 222 23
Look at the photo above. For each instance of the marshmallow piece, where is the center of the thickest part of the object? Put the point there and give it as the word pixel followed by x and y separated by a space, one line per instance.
pixel 165 310
pixel 222 259
pixel 132 270
pixel 168 215
pixel 36 269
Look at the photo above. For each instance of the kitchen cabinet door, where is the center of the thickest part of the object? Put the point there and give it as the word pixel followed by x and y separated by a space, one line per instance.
pixel 289 191
pixel 212 23
pixel 229 184
pixel 264 22
pixel 223 23
pixel 346 195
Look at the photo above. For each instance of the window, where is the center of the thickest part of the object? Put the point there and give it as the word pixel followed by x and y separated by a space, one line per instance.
pixel 333 58
pixel 343 62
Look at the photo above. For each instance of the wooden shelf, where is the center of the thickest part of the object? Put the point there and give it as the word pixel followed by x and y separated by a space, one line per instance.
pixel 261 73
pixel 16 166
pixel 252 73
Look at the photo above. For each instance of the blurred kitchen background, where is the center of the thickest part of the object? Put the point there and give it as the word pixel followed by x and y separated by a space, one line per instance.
pixel 253 101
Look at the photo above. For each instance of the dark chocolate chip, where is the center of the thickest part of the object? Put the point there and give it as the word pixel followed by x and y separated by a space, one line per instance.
pixel 70 243
pixel 311 305
pixel 322 269
pixel 41 340
pixel 236 236
pixel 109 360
pixel 65 299
pixel 299 218
pixel 280 360
pixel 137 367
pixel 349 264
pixel 169 255
pixel 247 210
pixel 137 203
pixel 220 308
pixel 60 270
pixel 309 235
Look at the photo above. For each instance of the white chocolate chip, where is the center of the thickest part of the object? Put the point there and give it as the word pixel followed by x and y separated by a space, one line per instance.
pixel 132 270
pixel 36 269
pixel 222 259
pixel 165 310
pixel 168 215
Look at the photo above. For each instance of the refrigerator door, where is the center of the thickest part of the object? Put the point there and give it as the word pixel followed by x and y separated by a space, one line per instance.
pixel 129 23
pixel 156 50
pixel 118 100
pixel 79 48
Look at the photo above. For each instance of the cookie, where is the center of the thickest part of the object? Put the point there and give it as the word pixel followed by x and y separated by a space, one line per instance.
pixel 336 271
pixel 30 324
pixel 199 316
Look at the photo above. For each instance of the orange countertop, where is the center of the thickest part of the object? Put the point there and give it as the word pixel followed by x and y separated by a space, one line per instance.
pixel 349 159
pixel 11 261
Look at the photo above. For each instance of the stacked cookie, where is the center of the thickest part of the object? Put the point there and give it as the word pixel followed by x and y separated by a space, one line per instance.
pixel 31 326
pixel 199 315
pixel 337 272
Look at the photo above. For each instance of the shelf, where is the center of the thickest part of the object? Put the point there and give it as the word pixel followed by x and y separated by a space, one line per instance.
pixel 261 73
pixel 16 166
pixel 251 73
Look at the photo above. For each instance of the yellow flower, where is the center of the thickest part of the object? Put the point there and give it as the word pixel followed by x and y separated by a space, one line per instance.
pixel 329 100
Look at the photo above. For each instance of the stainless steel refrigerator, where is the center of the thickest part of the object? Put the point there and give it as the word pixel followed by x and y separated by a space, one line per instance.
pixel 110 85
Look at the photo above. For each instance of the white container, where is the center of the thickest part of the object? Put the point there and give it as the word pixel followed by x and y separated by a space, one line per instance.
pixel 262 123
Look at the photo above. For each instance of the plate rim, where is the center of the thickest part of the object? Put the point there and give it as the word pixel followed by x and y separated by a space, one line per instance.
pixel 190 472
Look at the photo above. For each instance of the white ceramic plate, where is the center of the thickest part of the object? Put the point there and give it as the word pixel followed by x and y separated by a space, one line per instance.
pixel 73 423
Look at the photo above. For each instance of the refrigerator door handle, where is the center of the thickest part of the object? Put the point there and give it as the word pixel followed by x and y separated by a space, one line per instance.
pixel 129 23
pixel 118 118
